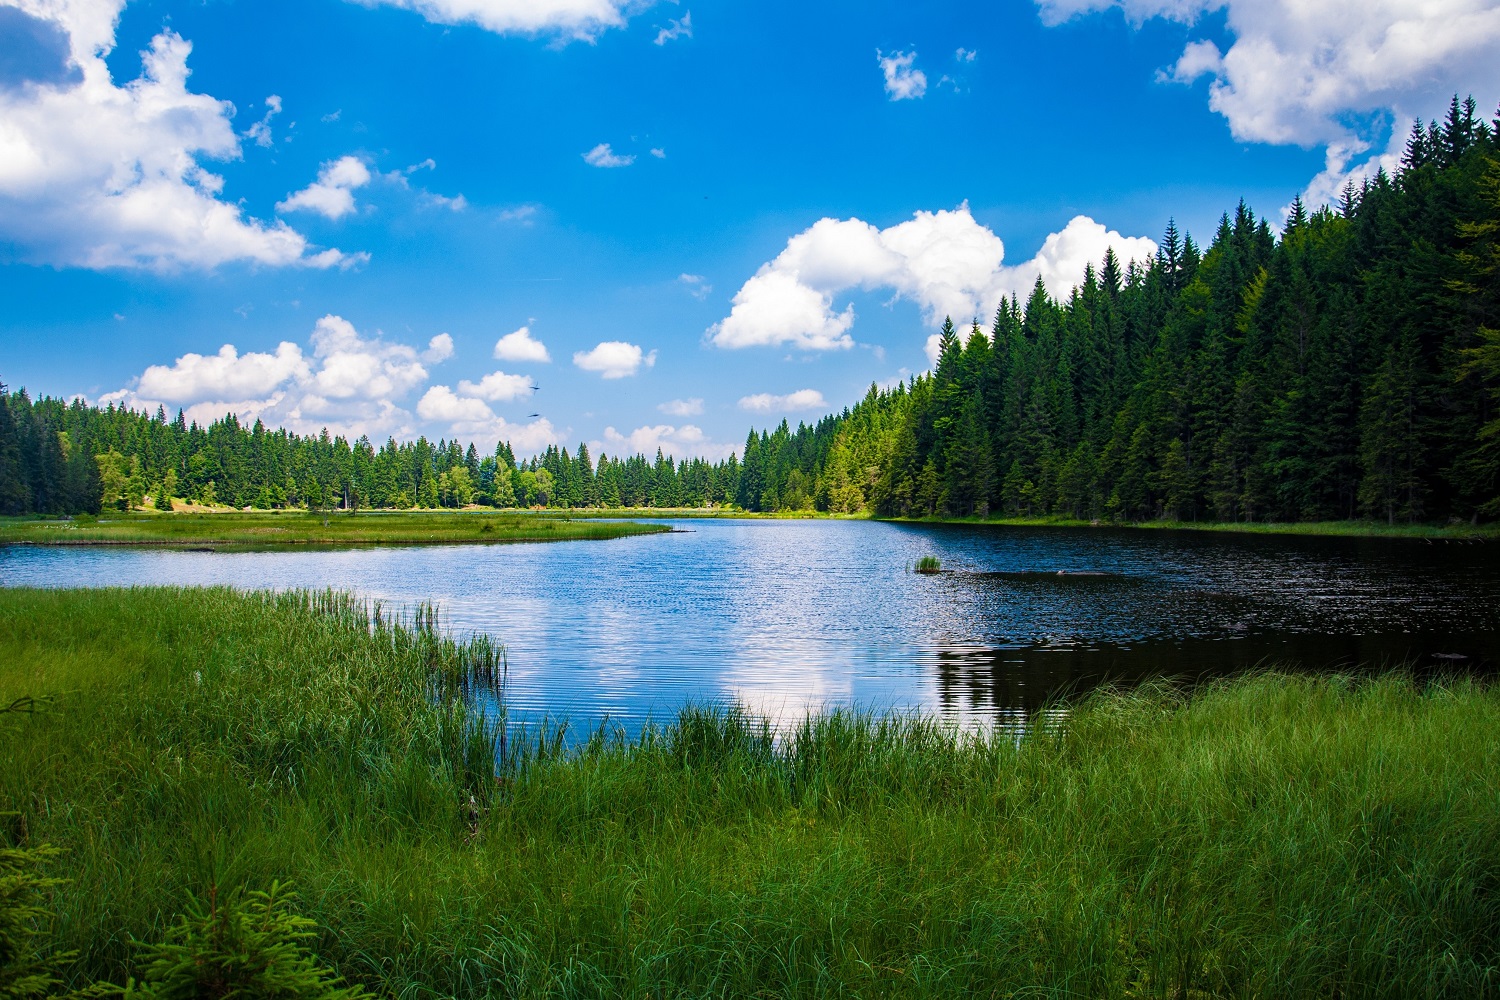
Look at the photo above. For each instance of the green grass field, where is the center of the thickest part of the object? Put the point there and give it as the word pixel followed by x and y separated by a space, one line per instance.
pixel 1275 836
pixel 274 529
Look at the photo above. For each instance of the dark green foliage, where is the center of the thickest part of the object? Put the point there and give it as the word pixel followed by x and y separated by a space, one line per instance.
pixel 58 457
pixel 26 968
pixel 247 945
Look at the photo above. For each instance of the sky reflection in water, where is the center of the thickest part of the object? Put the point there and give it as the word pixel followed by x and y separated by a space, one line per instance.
pixel 790 616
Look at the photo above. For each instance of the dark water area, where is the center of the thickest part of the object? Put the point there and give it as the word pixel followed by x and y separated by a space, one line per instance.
pixel 788 617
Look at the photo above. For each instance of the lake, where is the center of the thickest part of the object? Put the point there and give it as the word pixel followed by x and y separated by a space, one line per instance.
pixel 792 616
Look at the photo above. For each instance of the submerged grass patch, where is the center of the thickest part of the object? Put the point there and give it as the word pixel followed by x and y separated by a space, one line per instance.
pixel 1272 836
pixel 274 529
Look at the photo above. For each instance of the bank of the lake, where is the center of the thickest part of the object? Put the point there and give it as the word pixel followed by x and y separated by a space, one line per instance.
pixel 1331 529
pixel 272 529
pixel 1271 836
pixel 1489 531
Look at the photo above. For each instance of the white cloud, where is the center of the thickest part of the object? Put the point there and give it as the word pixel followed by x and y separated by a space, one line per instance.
pixel 697 286
pixel 571 19
pixel 226 375
pixel 676 29
pixel 521 346
pixel 802 399
pixel 440 405
pixel 681 407
pixel 1327 72
pixel 332 194
pixel 614 359
pixel 348 383
pixel 101 176
pixel 1197 59
pixel 686 441
pixel 603 156
pixel 965 55
pixel 498 387
pixel 260 132
pixel 355 368
pixel 902 80
pixel 439 349
pixel 465 416
pixel 658 152
pixel 944 261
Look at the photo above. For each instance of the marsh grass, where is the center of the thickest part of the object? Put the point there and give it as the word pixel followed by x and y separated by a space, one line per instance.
pixel 1273 836
pixel 928 564
pixel 270 530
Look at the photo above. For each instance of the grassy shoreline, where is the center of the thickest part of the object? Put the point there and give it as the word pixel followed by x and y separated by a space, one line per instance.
pixel 1328 529
pixel 1272 836
pixel 282 529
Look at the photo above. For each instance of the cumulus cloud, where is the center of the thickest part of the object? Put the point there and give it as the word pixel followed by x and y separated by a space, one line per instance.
pixel 498 387
pixel 697 286
pixel 902 80
pixel 965 55
pixel 332 194
pixel 1327 72
pixel 465 416
pixel 260 132
pixel 676 29
pixel 350 383
pixel 226 375
pixel 658 152
pixel 568 19
pixel 439 349
pixel 614 359
pixel 681 407
pixel 352 367
pixel 101 176
pixel 944 261
pixel 521 346
pixel 603 155
pixel 686 441
pixel 441 405
pixel 802 399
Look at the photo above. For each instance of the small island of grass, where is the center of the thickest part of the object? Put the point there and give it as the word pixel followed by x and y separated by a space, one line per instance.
pixel 277 529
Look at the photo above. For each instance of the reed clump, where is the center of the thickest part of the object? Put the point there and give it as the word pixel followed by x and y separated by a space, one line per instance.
pixel 928 564
pixel 1272 836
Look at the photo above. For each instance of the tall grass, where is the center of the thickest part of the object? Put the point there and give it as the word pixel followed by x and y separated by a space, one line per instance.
pixel 1273 836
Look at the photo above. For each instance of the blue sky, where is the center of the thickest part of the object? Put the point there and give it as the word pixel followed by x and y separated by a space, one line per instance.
pixel 707 215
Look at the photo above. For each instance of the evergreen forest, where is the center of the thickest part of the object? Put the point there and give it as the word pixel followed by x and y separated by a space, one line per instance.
pixel 1347 367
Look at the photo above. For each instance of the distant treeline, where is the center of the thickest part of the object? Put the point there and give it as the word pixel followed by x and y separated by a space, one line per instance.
pixel 60 457
pixel 1349 368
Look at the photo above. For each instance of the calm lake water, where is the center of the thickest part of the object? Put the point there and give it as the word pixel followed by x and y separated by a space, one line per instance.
pixel 791 616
